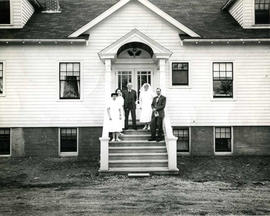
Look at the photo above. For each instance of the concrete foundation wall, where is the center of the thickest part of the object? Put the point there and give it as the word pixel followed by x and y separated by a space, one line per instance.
pixel 251 140
pixel 202 141
pixel 44 142
pixel 41 142
pixel 89 146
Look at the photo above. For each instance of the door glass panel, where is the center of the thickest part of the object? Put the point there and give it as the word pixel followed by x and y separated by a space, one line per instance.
pixel 124 77
pixel 142 78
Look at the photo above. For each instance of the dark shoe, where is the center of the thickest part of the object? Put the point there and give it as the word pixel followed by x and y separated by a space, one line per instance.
pixel 152 139
pixel 159 139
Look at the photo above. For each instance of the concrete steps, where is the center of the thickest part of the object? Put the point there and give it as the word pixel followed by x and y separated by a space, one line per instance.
pixel 136 154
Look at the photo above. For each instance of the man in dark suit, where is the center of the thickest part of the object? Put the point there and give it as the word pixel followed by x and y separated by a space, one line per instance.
pixel 158 106
pixel 130 98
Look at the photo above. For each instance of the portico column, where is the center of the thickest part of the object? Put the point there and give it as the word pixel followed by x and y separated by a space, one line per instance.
pixel 104 140
pixel 162 72
pixel 108 78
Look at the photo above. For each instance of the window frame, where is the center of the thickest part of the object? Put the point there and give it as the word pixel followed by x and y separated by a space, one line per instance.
pixel 11 15
pixel 10 144
pixel 57 77
pixel 189 139
pixel 68 154
pixel 213 80
pixel 254 15
pixel 214 141
pixel 211 86
pixel 4 78
pixel 189 86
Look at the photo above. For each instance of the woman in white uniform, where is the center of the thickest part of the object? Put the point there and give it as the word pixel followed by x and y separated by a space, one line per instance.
pixel 120 100
pixel 114 115
pixel 146 99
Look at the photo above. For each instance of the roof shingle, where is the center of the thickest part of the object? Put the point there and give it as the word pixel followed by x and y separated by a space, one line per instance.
pixel 204 17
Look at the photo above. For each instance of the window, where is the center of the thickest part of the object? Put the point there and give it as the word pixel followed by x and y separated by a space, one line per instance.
pixel 1 78
pixel 183 139
pixel 69 80
pixel 68 141
pixel 223 139
pixel 5 142
pixel 262 11
pixel 223 80
pixel 5 12
pixel 180 73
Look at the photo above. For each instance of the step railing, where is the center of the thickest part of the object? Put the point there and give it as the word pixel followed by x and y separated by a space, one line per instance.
pixel 104 147
pixel 171 144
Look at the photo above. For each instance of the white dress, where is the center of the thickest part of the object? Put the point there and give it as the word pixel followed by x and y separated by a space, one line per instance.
pixel 146 99
pixel 114 125
pixel 120 100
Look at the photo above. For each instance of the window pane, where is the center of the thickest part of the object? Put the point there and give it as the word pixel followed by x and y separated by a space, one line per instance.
pixel 69 81
pixel 68 140
pixel 77 67
pixel 262 12
pixel 223 145
pixel 223 88
pixel 4 12
pixel 180 77
pixel 4 141
pixel 183 139
pixel 180 73
pixel 223 139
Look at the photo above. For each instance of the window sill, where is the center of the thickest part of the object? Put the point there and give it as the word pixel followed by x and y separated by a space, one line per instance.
pixel 5 156
pixel 69 100
pixel 223 100
pixel 260 26
pixel 183 153
pixel 69 154
pixel 180 87
pixel 223 153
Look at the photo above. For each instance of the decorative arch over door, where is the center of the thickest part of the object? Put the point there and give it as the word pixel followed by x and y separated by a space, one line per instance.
pixel 135 50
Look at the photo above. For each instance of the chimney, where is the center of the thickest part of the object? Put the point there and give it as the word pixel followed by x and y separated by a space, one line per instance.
pixel 52 6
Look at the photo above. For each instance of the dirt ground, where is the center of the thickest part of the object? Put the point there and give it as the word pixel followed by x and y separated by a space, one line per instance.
pixel 204 186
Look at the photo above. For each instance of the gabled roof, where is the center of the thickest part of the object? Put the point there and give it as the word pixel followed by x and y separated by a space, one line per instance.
pixel 228 4
pixel 135 36
pixel 204 17
pixel 147 4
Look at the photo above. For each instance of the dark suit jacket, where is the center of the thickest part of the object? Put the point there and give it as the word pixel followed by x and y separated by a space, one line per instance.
pixel 130 99
pixel 160 106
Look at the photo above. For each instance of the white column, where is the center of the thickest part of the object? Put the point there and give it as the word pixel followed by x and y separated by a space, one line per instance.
pixel 162 73
pixel 108 78
pixel 104 140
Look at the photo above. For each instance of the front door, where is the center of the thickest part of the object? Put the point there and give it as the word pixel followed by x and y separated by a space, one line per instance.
pixel 134 76
pixel 137 77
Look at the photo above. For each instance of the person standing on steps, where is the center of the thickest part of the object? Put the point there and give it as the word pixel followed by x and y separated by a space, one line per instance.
pixel 146 98
pixel 114 117
pixel 130 98
pixel 120 99
pixel 158 114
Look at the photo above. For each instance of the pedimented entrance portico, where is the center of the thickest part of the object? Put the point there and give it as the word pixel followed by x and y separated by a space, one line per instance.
pixel 158 55
pixel 138 59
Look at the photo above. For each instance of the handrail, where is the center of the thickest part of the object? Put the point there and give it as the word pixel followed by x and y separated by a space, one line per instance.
pixel 104 146
pixel 171 144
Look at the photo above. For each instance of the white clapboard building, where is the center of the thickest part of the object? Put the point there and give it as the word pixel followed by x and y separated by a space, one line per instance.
pixel 61 59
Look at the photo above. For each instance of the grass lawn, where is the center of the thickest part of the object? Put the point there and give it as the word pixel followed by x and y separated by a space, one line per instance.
pixel 204 186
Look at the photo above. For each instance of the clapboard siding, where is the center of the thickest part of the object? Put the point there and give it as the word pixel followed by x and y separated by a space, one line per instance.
pixel 32 78
pixel 237 11
pixel 243 12
pixel 249 13
pixel 21 11
pixel 27 11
